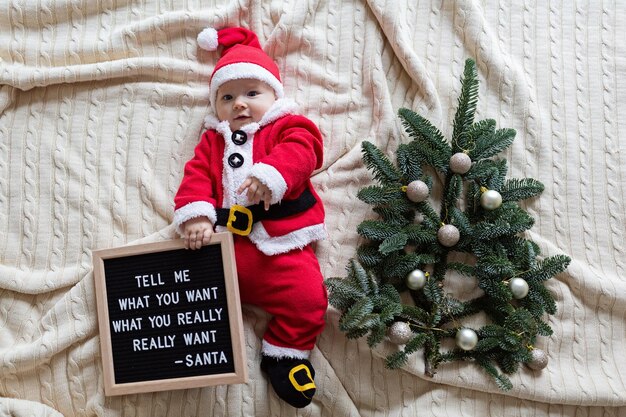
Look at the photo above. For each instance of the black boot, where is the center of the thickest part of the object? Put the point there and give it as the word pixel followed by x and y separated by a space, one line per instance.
pixel 292 379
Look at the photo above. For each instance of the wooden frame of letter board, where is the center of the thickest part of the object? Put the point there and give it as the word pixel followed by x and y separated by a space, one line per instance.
pixel 240 374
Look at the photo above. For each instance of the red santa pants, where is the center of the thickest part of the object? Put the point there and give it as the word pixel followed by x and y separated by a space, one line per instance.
pixel 289 286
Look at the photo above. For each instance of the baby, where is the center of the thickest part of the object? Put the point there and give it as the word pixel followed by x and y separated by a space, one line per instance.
pixel 250 174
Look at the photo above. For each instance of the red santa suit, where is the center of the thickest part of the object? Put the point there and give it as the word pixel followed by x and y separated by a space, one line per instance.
pixel 277 268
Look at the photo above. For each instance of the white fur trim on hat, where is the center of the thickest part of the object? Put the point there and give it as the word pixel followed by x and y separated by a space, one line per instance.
pixel 274 351
pixel 207 39
pixel 240 71
pixel 270 177
pixel 193 210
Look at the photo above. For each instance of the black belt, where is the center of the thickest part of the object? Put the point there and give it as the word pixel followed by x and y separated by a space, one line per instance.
pixel 239 219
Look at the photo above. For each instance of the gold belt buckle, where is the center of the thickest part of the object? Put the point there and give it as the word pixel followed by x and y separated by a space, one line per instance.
pixel 232 216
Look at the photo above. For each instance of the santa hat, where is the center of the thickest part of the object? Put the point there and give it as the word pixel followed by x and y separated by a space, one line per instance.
pixel 241 57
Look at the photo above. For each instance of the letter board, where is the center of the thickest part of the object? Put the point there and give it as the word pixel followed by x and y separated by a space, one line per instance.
pixel 169 318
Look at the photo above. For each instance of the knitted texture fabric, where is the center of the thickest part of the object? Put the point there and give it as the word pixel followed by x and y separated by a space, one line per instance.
pixel 102 103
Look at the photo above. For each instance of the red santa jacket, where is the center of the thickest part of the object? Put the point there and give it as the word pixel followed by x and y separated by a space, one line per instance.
pixel 282 150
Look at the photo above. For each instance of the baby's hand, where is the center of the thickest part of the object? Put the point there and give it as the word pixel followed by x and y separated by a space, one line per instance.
pixel 257 191
pixel 197 232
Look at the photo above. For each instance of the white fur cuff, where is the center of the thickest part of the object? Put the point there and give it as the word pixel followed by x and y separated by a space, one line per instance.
pixel 270 176
pixel 193 210
pixel 269 349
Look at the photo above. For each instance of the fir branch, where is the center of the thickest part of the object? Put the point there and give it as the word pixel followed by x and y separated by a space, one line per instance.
pixel 395 214
pixel 409 162
pixel 508 363
pixel 354 316
pixel 416 313
pixel 388 310
pixel 547 268
pixel 368 255
pixel 402 264
pixel 496 290
pixel 431 218
pixel 389 293
pixel 522 251
pixel 419 235
pixel 376 230
pixel 358 275
pixel 502 381
pixel 488 173
pixel 379 164
pixel 393 243
pixel 486 344
pixel 377 195
pixel 430 145
pixel 461 268
pixel 468 99
pixel 509 223
pixel 493 267
pixel 343 293
pixel 434 293
pixel 396 360
pixel 542 297
pixel 475 133
pixel 453 190
pixel 461 221
pixel 377 335
pixel 543 328
pixel 520 189
pixel 490 145
pixel 415 343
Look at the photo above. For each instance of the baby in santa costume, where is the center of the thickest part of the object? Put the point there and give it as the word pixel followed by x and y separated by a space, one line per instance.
pixel 250 175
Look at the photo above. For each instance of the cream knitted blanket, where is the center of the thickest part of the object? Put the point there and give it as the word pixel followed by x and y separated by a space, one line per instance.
pixel 102 102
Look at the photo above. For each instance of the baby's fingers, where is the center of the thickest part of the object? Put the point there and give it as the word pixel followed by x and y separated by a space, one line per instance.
pixel 244 185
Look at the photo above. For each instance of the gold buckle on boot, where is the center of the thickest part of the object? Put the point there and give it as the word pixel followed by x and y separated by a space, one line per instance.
pixel 295 383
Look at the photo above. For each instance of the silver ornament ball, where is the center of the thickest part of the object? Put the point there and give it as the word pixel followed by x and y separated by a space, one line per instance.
pixel 399 333
pixel 519 288
pixel 460 163
pixel 416 279
pixel 466 339
pixel 448 235
pixel 539 360
pixel 490 200
pixel 417 191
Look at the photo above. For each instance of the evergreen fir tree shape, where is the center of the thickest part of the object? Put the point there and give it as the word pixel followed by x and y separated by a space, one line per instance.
pixel 415 245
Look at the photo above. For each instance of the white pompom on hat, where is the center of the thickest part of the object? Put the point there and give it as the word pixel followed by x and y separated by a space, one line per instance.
pixel 241 57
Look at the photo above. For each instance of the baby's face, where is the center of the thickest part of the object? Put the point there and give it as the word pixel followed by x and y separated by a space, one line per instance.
pixel 243 101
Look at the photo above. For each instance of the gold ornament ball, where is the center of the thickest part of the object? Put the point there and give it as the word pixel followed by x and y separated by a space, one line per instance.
pixel 399 333
pixel 539 360
pixel 416 279
pixel 417 191
pixel 466 339
pixel 490 200
pixel 448 235
pixel 460 163
pixel 519 288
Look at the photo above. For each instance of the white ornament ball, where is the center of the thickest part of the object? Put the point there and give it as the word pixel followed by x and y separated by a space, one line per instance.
pixel 519 288
pixel 417 191
pixel 466 339
pixel 448 235
pixel 539 360
pixel 490 200
pixel 416 279
pixel 460 163
pixel 399 333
